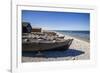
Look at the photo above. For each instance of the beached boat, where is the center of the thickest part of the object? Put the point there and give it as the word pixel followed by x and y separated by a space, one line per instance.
pixel 37 40
pixel 46 45
pixel 31 43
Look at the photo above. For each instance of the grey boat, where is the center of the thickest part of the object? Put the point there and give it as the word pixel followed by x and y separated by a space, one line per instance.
pixel 37 40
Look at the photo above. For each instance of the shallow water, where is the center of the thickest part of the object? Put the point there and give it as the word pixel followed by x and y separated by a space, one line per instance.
pixel 83 35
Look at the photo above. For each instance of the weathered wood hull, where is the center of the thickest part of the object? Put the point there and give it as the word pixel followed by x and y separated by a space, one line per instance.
pixel 46 46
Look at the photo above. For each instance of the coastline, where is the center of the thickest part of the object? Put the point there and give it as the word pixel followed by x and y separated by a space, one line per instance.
pixel 76 47
pixel 79 44
pixel 76 37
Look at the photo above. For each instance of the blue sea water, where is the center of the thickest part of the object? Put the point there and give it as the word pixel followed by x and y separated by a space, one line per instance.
pixel 83 35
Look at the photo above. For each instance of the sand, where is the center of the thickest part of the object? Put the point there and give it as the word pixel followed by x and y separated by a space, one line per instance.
pixel 81 45
pixel 78 50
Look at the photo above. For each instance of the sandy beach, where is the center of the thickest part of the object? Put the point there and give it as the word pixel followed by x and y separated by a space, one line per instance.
pixel 81 45
pixel 78 50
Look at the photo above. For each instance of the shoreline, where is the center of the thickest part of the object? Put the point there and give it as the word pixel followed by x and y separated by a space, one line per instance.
pixel 88 41
pixel 77 46
pixel 72 37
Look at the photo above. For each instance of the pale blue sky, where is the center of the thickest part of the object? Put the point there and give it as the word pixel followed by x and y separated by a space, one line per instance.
pixel 57 20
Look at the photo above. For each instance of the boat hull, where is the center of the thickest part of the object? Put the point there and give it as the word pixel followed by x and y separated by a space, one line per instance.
pixel 33 46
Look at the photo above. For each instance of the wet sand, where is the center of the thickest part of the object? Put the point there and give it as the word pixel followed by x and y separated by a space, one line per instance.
pixel 78 50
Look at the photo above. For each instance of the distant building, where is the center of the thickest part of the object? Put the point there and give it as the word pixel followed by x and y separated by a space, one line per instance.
pixel 26 27
pixel 36 29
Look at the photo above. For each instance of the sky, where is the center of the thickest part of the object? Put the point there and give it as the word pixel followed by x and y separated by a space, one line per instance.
pixel 57 20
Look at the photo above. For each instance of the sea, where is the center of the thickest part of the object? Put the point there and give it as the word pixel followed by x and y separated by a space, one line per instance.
pixel 82 35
